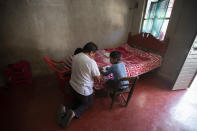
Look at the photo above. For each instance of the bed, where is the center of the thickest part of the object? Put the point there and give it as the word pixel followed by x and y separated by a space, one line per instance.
pixel 142 53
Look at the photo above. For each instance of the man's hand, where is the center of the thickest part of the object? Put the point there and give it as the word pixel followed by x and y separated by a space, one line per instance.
pixel 98 78
pixel 101 70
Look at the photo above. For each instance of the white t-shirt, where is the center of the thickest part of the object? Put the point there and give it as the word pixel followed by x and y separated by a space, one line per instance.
pixel 83 70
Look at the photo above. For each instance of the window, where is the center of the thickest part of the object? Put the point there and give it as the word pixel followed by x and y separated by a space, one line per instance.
pixel 156 17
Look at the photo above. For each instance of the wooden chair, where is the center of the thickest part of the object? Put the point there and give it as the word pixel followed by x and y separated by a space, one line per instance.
pixel 59 72
pixel 129 90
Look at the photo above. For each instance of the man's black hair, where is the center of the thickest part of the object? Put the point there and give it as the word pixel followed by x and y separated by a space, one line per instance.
pixel 78 50
pixel 90 46
pixel 115 55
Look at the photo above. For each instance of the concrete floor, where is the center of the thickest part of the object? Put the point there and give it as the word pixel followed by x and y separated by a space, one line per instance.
pixel 152 108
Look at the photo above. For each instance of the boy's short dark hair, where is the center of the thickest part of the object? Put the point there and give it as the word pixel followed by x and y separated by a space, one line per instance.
pixel 78 50
pixel 115 55
pixel 90 46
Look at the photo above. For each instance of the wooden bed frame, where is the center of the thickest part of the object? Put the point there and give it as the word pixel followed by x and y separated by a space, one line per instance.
pixel 149 42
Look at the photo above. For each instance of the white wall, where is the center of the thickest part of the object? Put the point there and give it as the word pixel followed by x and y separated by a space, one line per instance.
pixel 30 29
pixel 136 16
pixel 55 28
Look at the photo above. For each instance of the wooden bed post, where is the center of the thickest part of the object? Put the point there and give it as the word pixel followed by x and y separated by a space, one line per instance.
pixel 129 35
pixel 149 42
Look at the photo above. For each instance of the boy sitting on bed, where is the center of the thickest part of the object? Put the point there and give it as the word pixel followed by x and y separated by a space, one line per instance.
pixel 118 70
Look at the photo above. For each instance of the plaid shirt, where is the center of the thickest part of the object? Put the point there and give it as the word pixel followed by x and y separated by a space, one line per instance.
pixel 68 63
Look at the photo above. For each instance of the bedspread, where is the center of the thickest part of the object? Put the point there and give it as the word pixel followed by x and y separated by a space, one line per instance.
pixel 137 61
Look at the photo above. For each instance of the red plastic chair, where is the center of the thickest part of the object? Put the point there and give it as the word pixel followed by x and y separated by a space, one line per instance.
pixel 18 73
pixel 60 73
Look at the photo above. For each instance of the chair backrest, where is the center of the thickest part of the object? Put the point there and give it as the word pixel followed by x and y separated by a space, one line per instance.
pixel 59 73
pixel 129 90
pixel 131 80
pixel 52 63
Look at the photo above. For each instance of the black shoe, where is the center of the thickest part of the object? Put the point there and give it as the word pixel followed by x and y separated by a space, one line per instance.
pixel 67 119
pixel 60 114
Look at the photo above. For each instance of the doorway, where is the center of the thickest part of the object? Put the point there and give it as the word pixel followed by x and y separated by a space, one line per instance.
pixel 187 76
pixel 194 83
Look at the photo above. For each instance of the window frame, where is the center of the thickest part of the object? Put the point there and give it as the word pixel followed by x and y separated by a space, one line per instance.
pixel 166 18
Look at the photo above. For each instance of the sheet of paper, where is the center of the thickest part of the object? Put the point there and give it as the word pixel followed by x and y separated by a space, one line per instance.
pixel 104 68
pixel 106 54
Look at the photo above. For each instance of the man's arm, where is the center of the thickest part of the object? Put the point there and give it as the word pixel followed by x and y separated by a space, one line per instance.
pixel 95 72
pixel 97 78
